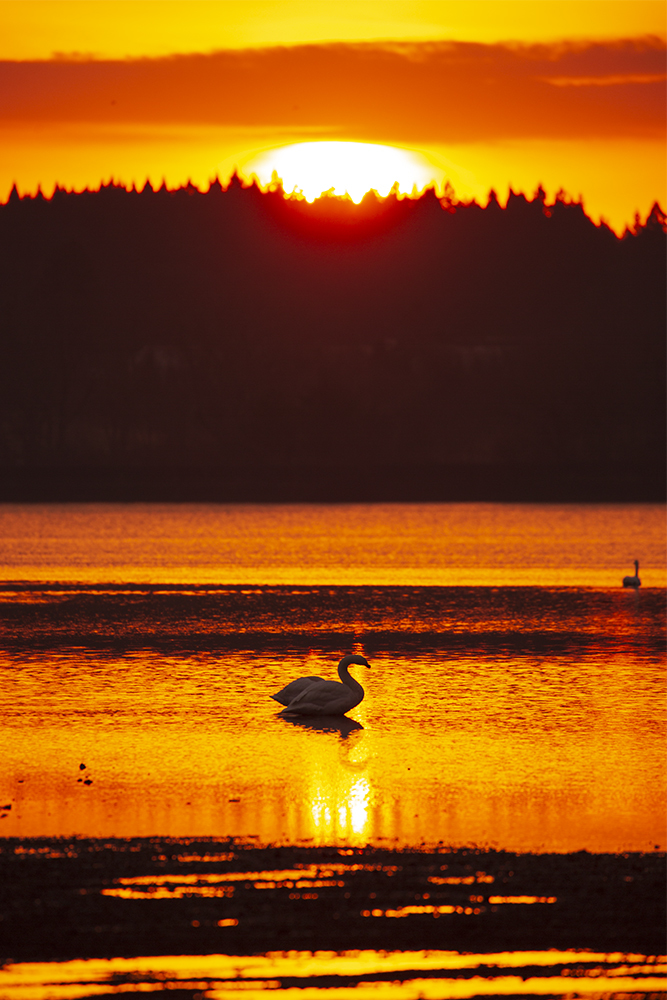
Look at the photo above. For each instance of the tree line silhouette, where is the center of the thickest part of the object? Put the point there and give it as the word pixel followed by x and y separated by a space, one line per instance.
pixel 238 345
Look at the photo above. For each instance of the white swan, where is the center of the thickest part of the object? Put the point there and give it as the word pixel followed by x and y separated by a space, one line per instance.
pixel 633 581
pixel 315 696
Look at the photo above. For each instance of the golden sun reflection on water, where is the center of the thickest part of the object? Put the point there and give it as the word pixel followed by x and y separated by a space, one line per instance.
pixel 530 718
pixel 339 809
pixel 541 752
pixel 449 974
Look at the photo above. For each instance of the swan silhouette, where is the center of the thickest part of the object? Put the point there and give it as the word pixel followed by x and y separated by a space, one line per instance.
pixel 633 581
pixel 315 696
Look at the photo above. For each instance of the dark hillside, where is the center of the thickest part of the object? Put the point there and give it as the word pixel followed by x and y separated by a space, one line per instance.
pixel 235 345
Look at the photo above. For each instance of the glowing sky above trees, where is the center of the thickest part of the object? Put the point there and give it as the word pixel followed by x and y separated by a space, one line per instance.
pixel 184 90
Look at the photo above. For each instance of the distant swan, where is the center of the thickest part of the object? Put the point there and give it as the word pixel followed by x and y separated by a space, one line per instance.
pixel 633 581
pixel 315 696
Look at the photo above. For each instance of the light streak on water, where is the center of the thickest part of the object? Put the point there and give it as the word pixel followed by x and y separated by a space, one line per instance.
pixel 386 975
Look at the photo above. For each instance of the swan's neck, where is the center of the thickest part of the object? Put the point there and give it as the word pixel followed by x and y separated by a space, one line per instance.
pixel 636 567
pixel 344 674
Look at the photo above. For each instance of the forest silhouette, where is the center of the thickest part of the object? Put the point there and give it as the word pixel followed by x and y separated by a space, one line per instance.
pixel 238 345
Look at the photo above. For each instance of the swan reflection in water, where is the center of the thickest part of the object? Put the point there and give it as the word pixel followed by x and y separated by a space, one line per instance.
pixel 333 724
pixel 313 696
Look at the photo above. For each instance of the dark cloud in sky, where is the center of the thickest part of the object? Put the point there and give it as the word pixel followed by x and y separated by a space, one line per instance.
pixel 428 92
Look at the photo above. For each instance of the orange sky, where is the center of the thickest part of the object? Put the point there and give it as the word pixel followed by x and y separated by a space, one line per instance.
pixel 567 93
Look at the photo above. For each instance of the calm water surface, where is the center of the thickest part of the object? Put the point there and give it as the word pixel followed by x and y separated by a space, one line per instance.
pixel 515 697
pixel 377 544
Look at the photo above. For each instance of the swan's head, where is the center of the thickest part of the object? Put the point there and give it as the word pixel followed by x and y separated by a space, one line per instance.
pixel 354 658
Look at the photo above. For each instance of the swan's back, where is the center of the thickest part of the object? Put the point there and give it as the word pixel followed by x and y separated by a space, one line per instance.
pixel 294 689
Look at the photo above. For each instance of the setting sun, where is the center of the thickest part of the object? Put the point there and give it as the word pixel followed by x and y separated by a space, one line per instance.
pixel 352 168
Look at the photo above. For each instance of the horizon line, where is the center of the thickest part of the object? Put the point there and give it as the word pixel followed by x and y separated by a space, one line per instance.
pixel 448 199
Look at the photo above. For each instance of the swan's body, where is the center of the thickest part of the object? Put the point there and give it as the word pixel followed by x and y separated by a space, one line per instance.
pixel 633 581
pixel 315 696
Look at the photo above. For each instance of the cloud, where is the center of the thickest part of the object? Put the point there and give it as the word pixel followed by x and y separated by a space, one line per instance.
pixel 399 92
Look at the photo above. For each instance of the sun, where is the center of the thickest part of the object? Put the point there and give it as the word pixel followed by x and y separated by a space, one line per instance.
pixel 353 168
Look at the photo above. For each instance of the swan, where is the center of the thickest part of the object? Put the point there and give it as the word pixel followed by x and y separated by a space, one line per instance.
pixel 633 581
pixel 315 696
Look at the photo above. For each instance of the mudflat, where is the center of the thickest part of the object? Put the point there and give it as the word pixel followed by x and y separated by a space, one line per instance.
pixel 63 899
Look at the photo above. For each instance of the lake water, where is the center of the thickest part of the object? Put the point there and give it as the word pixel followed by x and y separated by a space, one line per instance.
pixel 515 698
pixel 499 545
